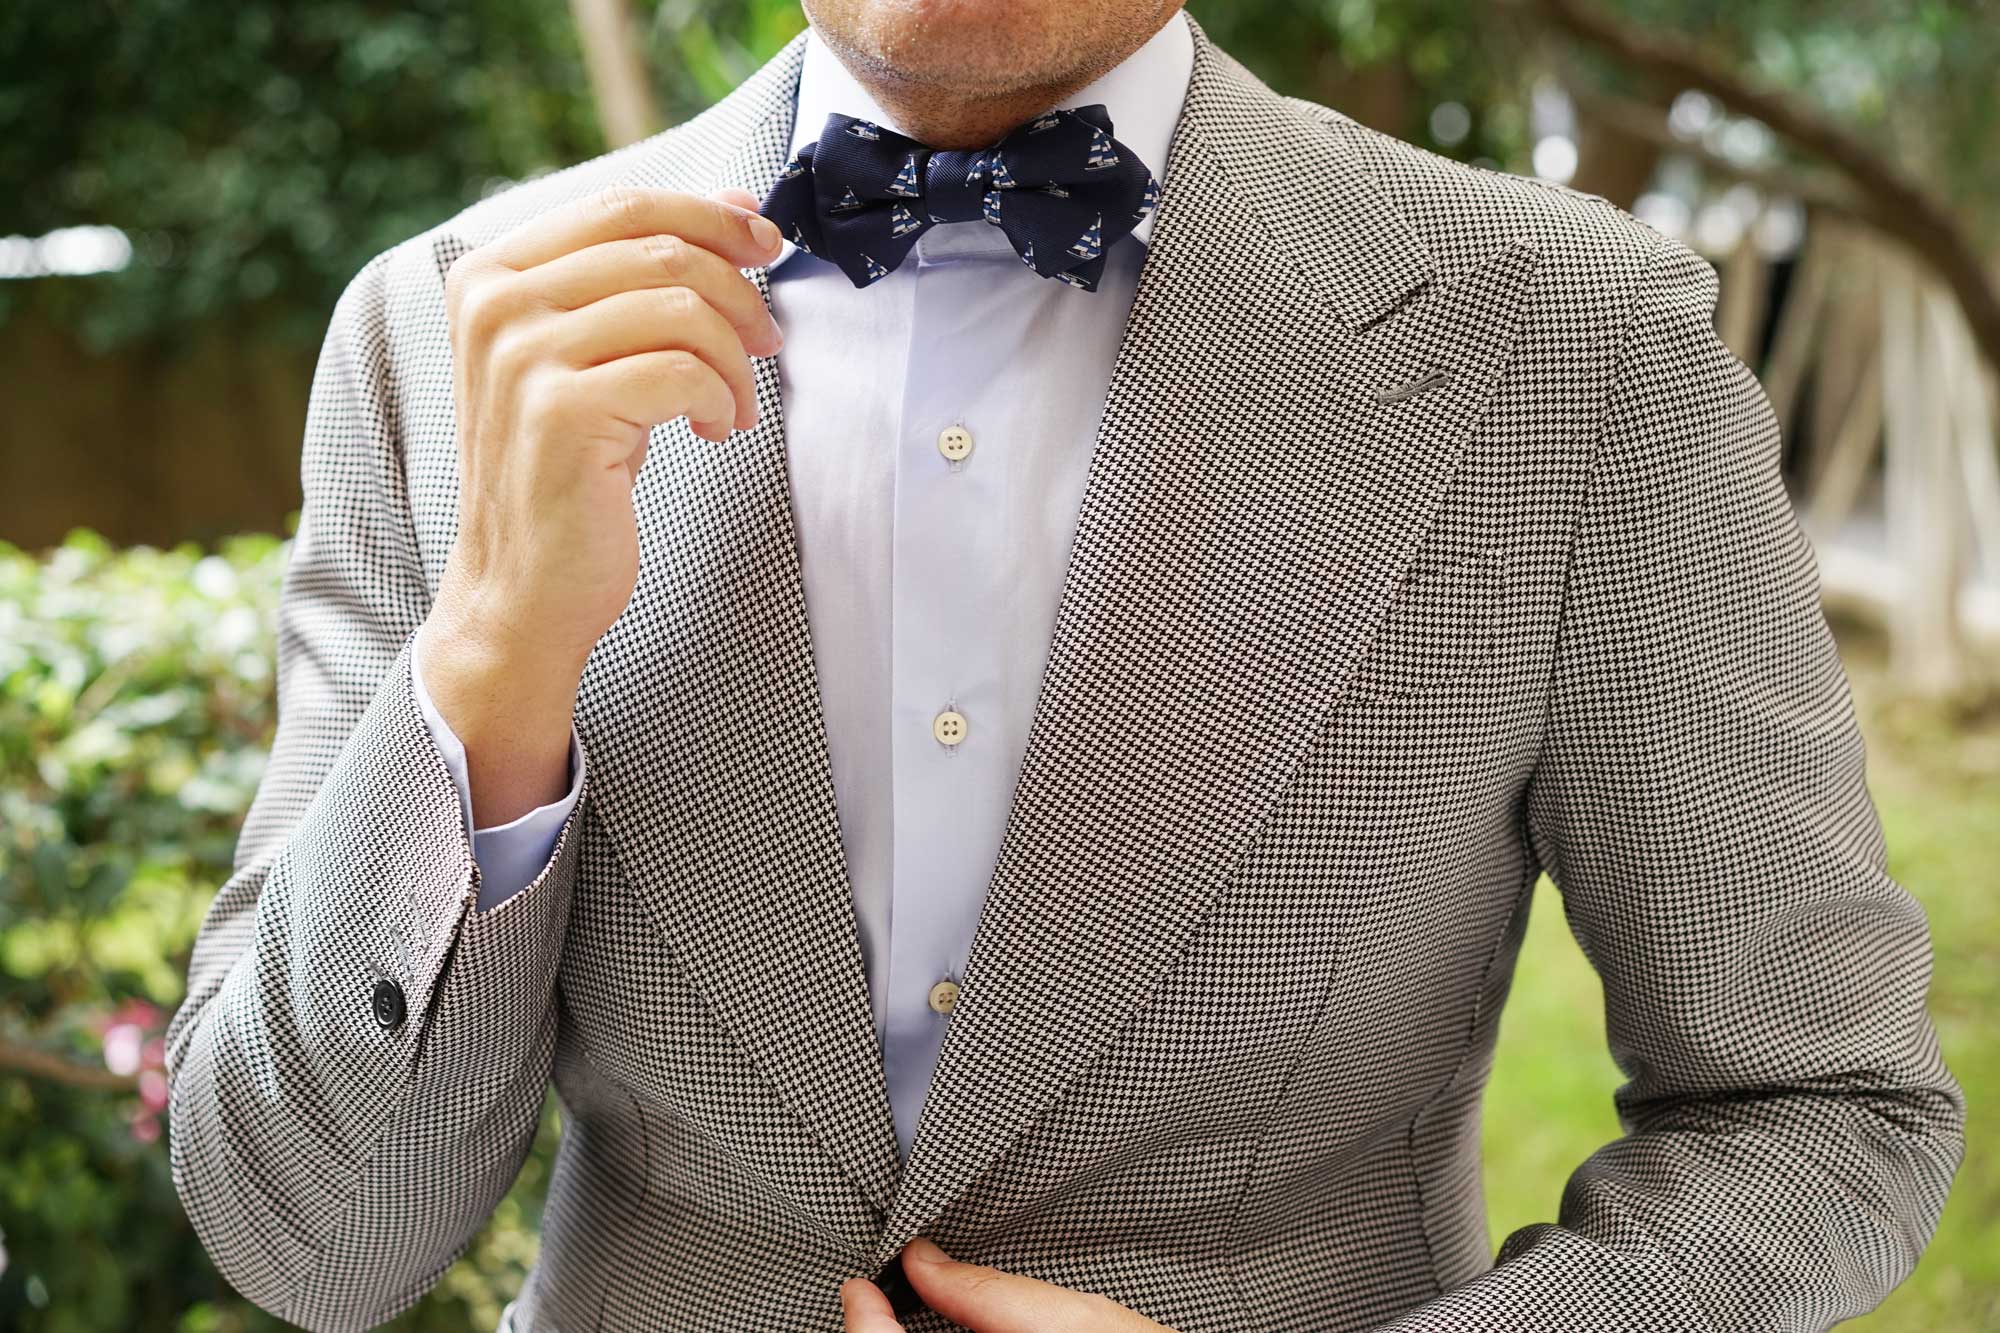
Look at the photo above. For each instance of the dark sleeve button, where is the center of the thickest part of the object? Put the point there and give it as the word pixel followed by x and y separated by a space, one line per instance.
pixel 388 1004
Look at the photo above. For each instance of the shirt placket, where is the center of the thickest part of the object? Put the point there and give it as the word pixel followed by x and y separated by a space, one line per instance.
pixel 947 637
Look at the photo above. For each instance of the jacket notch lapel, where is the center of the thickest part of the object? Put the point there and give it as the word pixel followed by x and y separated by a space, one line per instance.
pixel 1255 494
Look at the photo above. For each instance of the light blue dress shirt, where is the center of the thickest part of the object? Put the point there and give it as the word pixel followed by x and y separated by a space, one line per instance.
pixel 938 433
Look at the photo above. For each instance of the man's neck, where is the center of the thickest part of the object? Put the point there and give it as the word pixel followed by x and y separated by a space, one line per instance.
pixel 961 115
pixel 946 118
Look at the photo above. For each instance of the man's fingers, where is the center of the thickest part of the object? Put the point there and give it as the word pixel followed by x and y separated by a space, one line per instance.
pixel 584 276
pixel 655 319
pixel 627 211
pixel 866 1309
pixel 986 1299
pixel 659 386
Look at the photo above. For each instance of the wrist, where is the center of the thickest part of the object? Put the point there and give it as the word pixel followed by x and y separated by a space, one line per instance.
pixel 481 647
pixel 510 708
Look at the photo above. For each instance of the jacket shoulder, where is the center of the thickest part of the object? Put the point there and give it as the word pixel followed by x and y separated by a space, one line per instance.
pixel 1463 213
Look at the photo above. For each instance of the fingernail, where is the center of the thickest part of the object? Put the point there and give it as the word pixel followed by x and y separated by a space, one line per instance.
pixel 925 1250
pixel 777 336
pixel 766 231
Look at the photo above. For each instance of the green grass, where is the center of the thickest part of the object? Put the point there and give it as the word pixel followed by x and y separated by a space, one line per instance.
pixel 1935 774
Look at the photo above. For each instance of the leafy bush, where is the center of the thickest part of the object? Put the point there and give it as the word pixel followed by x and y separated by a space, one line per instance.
pixel 135 707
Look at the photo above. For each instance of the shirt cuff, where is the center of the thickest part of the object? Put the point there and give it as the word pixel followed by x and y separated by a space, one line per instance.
pixel 510 856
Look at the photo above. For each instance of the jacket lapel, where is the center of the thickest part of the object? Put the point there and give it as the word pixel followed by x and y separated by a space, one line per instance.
pixel 1250 507
pixel 710 770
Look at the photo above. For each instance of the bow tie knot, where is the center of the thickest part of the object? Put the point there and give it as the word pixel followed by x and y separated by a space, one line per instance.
pixel 956 184
pixel 1060 188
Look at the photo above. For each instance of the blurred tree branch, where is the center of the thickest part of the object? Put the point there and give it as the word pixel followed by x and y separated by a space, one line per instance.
pixel 37 1063
pixel 1819 191
pixel 1896 202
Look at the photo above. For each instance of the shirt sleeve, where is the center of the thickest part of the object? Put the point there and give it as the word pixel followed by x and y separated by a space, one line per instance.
pixel 510 856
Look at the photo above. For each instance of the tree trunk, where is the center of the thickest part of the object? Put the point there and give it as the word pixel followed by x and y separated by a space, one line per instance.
pixel 626 108
pixel 1921 476
pixel 1611 161
pixel 1746 297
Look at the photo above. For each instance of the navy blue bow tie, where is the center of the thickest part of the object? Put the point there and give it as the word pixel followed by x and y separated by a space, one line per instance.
pixel 1060 188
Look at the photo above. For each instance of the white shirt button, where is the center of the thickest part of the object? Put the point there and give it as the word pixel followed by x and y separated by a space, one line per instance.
pixel 944 996
pixel 948 727
pixel 955 443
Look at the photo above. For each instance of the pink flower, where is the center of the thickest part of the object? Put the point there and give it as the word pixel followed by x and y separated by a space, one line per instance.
pixel 124 1043
pixel 128 1045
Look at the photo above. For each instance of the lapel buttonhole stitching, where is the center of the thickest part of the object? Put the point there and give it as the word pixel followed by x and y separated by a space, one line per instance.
pixel 1436 379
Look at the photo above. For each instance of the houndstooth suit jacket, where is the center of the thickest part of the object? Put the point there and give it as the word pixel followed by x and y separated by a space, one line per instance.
pixel 1432 540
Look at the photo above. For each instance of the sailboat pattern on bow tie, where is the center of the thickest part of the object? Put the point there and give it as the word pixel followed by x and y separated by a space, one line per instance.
pixel 1148 201
pixel 1091 244
pixel 861 195
pixel 1102 156
pixel 906 183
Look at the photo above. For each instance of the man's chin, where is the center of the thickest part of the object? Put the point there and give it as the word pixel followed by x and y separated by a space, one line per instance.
pixel 960 44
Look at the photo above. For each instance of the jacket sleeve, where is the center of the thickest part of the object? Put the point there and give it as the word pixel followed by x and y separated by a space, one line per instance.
pixel 1791 1130
pixel 361 1059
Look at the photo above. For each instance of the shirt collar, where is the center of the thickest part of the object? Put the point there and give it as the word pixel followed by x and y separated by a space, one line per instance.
pixel 1142 93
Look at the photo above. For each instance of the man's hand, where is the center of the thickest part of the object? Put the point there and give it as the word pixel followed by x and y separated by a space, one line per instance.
pixel 985 1300
pixel 571 337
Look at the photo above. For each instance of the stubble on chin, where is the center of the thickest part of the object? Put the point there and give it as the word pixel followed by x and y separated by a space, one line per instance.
pixel 955 50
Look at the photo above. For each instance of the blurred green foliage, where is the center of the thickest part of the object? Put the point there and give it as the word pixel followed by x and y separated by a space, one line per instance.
pixel 135 697
pixel 259 153
pixel 135 708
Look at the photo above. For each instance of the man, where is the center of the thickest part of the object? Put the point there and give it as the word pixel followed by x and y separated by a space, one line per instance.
pixel 1048 768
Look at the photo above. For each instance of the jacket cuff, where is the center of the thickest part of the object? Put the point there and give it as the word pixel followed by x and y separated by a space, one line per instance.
pixel 514 855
